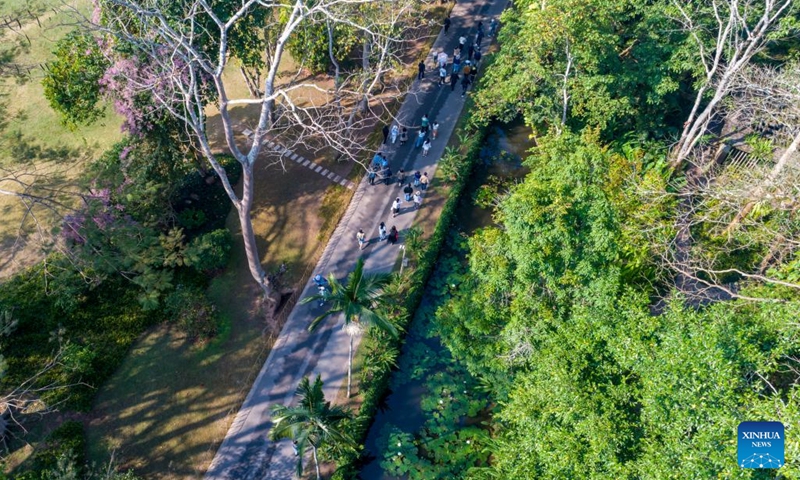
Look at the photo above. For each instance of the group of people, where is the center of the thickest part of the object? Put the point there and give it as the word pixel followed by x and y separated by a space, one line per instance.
pixel 470 55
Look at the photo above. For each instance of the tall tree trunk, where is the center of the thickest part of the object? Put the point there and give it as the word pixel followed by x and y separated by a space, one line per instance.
pixel 349 365
pixel 248 234
pixel 316 462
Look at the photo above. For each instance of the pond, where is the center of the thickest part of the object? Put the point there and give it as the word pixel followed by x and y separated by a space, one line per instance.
pixel 434 405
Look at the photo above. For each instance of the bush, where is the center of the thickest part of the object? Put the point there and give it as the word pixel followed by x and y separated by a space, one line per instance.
pixel 66 441
pixel 191 218
pixel 209 251
pixel 192 312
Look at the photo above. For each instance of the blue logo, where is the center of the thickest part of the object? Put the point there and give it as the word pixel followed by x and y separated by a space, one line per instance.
pixel 761 445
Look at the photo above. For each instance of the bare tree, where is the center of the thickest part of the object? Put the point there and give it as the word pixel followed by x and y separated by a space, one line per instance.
pixel 768 97
pixel 185 76
pixel 740 30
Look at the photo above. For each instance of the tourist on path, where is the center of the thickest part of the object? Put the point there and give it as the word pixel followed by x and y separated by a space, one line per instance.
pixel 470 52
pixel 420 138
pixel 435 130
pixel 403 136
pixel 421 68
pixel 394 133
pixel 447 24
pixel 464 85
pixel 393 234
pixel 387 176
pixel 477 57
pixel 371 175
pixel 384 161
pixel 493 27
pixel 424 123
pixel 401 177
pixel 472 74
pixel 362 239
pixel 408 191
pixel 417 176
pixel 462 40
pixel 442 75
pixel 396 207
pixel 426 146
pixel 417 200
pixel 382 231
pixel 442 58
pixel 376 160
pixel 423 181
pixel 385 131
pixel 453 81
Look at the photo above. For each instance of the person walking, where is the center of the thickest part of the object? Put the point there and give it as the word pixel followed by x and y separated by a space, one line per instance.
pixel 420 138
pixel 371 175
pixel 434 130
pixel 426 146
pixel 396 207
pixel 479 39
pixel 395 131
pixel 423 181
pixel 472 74
pixel 462 40
pixel 362 239
pixel 384 161
pixel 447 24
pixel 470 52
pixel 477 57
pixel 408 191
pixel 417 200
pixel 442 58
pixel 421 68
pixel 442 75
pixel 453 81
pixel 464 85
pixel 385 131
pixel 467 68
pixel 382 231
pixel 387 176
pixel 424 123
pixel 456 61
pixel 401 177
pixel 417 176
pixel 493 27
pixel 393 234
pixel 403 136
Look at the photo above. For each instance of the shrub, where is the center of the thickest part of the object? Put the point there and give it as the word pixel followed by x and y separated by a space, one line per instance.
pixel 192 312
pixel 191 218
pixel 209 251
pixel 66 441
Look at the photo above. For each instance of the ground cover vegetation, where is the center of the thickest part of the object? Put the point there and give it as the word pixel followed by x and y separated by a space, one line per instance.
pixel 629 306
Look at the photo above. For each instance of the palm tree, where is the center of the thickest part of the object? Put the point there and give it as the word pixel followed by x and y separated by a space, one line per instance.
pixel 358 299
pixel 312 422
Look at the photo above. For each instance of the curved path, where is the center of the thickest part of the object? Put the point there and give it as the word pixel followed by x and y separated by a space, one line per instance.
pixel 246 453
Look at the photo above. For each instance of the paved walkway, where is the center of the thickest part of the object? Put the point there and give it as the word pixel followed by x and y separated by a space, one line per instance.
pixel 246 453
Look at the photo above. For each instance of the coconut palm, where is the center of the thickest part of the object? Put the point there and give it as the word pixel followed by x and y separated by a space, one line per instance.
pixel 358 299
pixel 313 422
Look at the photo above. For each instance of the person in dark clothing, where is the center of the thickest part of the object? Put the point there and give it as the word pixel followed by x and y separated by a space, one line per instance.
pixel 401 176
pixel 464 85
pixel 393 234
pixel 477 57
pixel 472 74
pixel 470 52
pixel 387 176
pixel 421 67
pixel 453 81
pixel 385 133
pixel 371 175
pixel 409 191
pixel 479 38
pixel 446 24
